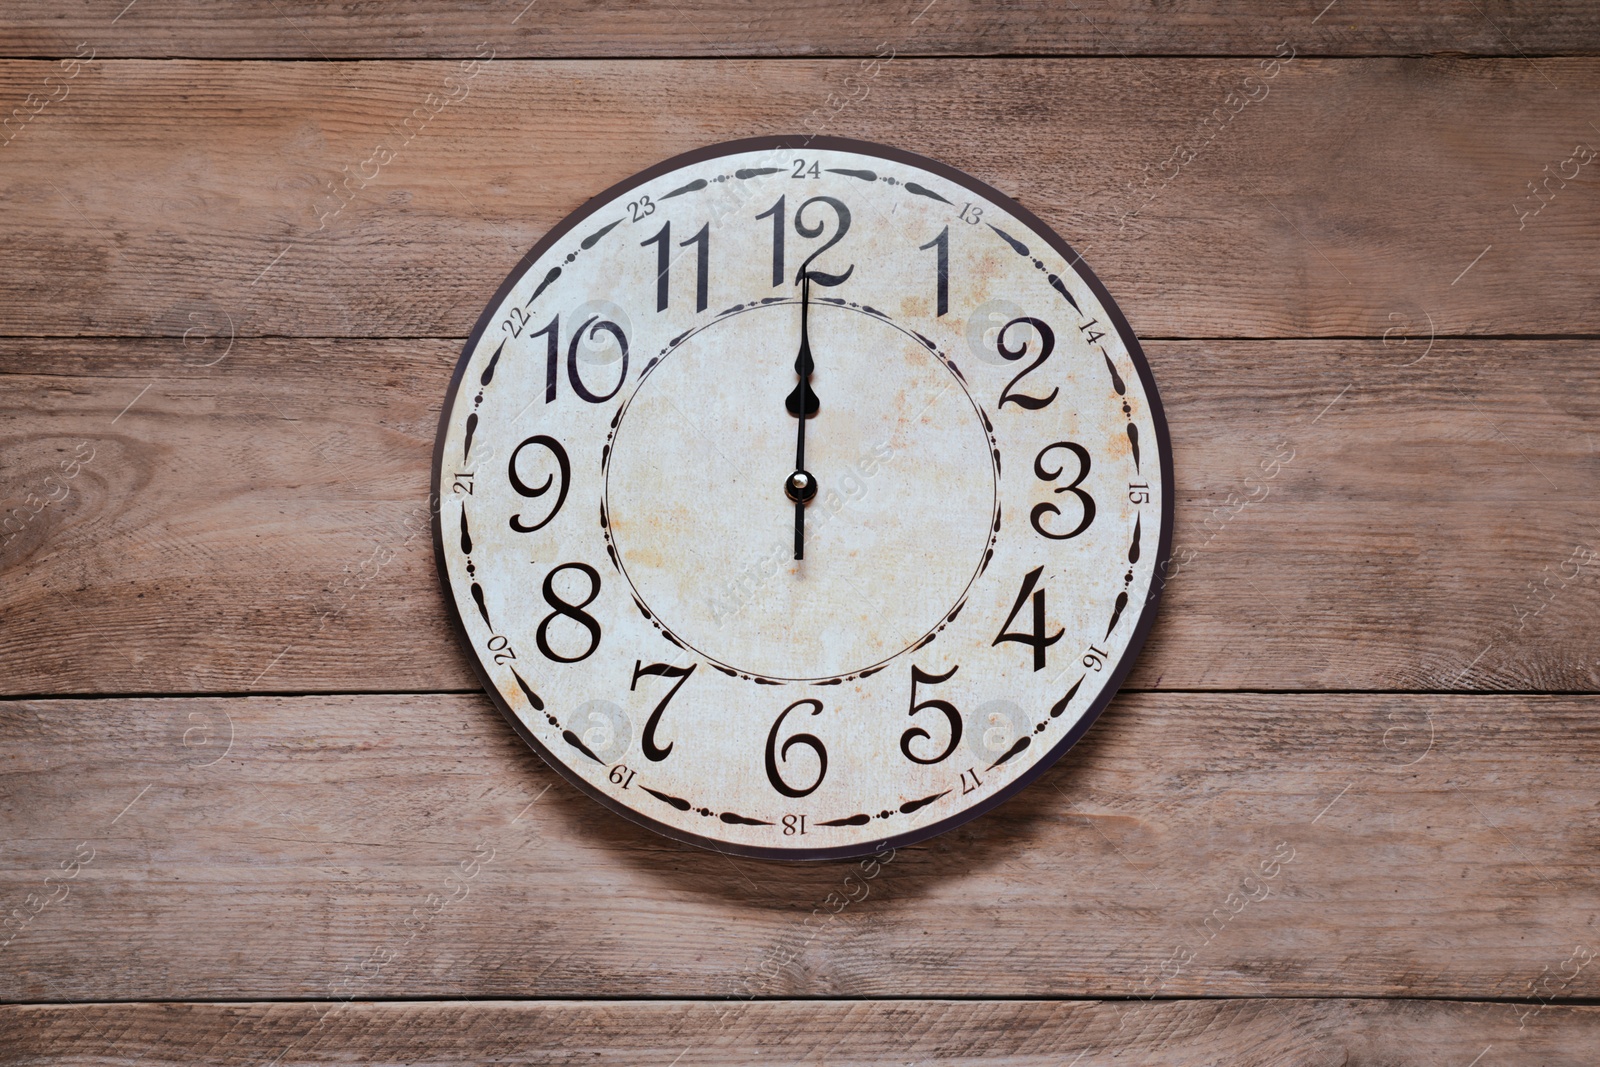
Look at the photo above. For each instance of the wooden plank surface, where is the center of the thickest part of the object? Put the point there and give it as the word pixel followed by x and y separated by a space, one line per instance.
pixel 1375 277
pixel 719 28
pixel 1320 1033
pixel 1351 195
pixel 1344 521
pixel 376 847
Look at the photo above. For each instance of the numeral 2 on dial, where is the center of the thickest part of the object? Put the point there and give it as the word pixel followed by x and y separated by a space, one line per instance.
pixel 1047 345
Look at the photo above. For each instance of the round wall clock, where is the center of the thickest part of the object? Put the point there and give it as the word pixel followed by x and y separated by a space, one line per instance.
pixel 802 496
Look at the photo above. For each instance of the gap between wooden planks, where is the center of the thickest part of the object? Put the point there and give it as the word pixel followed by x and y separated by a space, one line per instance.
pixel 1233 845
pixel 1348 198
pixel 1350 515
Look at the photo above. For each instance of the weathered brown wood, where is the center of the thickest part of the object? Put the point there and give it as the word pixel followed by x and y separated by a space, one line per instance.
pixel 245 509
pixel 1352 194
pixel 1393 846
pixel 1082 1033
pixel 261 524
pixel 565 28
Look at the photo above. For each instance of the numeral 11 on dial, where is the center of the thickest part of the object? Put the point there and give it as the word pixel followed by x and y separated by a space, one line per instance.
pixel 702 243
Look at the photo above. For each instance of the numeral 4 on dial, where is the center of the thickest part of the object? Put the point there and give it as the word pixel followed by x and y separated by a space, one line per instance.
pixel 1037 639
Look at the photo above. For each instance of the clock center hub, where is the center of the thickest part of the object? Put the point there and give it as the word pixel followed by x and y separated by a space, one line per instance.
pixel 800 487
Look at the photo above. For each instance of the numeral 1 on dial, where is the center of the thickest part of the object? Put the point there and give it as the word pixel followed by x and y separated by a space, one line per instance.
pixel 777 212
pixel 941 245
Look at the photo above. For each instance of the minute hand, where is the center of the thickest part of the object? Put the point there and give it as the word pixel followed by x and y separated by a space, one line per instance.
pixel 802 403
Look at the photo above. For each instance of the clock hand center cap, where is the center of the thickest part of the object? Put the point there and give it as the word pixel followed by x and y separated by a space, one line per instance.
pixel 800 486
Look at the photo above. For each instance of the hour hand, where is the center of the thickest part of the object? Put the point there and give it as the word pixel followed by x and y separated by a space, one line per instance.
pixel 803 394
pixel 802 401
pixel 800 486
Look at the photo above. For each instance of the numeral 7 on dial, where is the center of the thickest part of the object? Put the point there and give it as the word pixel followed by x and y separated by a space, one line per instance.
pixel 647 742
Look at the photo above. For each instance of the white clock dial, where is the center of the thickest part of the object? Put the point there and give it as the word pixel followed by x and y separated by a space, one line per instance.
pixel 787 637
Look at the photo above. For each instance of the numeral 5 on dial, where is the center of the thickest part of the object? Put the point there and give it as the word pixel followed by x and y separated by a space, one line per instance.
pixel 952 716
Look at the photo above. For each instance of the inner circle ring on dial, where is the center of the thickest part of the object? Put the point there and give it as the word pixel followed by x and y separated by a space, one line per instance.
pixel 919 345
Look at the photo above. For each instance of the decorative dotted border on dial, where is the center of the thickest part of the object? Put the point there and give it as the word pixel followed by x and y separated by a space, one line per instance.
pixel 732 818
pixel 534 700
pixel 699 184
pixel 1059 286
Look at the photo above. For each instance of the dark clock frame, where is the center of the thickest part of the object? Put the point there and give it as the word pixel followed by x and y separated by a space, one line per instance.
pixel 1147 611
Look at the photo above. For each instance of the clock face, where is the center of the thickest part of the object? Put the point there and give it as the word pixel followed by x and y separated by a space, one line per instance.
pixel 979 497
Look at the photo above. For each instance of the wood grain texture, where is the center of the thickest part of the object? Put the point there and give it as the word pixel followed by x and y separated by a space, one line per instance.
pixel 1193 845
pixel 235 337
pixel 262 524
pixel 719 28
pixel 1317 1033
pixel 244 196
